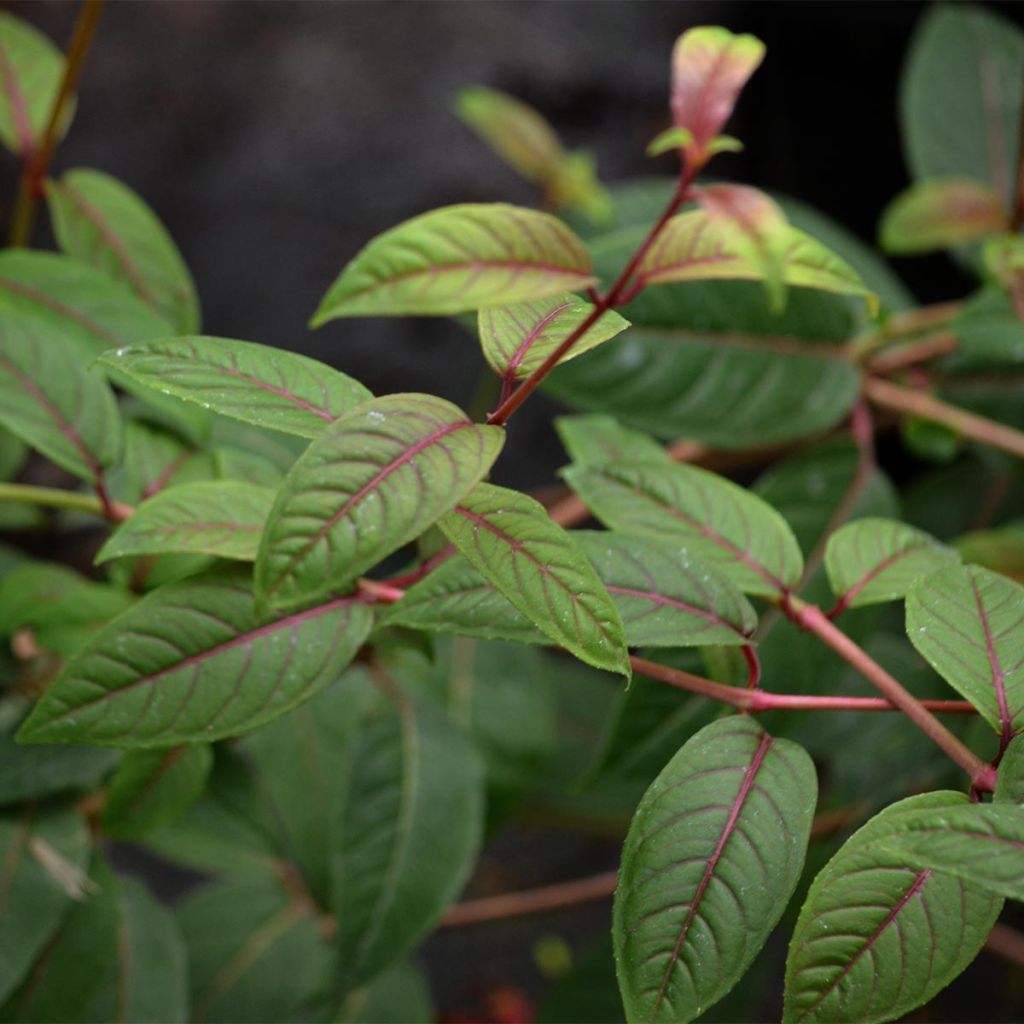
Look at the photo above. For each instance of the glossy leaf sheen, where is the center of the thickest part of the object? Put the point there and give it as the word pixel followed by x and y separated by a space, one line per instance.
pixel 373 481
pixel 713 854
pixel 517 339
pixel 222 518
pixel 192 662
pixel 458 259
pixel 939 213
pixel 876 937
pixel 873 560
pixel 253 383
pixel 983 844
pixel 737 533
pixel 510 539
pixel 665 597
pixel 52 402
pixel 31 69
pixel 968 623
pixel 101 221
pixel 406 834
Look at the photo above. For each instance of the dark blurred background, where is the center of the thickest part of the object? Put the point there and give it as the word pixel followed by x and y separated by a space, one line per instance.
pixel 275 139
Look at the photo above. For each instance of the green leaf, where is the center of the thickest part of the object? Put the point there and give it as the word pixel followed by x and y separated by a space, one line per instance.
pixel 983 844
pixel 665 597
pixel 458 259
pixel 44 854
pixel 935 214
pixel 876 937
pixel 597 439
pixel 698 246
pixel 223 518
pixel 155 459
pixel 254 955
pixel 153 787
pixel 715 520
pixel 31 70
pixel 1010 781
pixel 960 101
pixel 100 221
pixel 71 968
pixel 873 560
pixel 33 772
pixel 253 383
pixel 989 333
pixel 145 981
pixel 52 402
pixel 399 995
pixel 668 140
pixel 510 539
pixel 713 854
pixel 455 598
pixel 967 623
pixel 516 340
pixel 192 662
pixel 405 834
pixel 75 300
pixel 371 482
pixel 710 66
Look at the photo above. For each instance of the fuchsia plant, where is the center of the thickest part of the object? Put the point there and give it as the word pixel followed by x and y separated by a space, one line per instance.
pixel 320 644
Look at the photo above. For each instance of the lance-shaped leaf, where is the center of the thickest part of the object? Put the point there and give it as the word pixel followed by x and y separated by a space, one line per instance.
pixel 968 623
pixel 596 439
pixel 1010 780
pixel 713 854
pixel 698 246
pixel 739 534
pixel 254 953
pixel 371 482
pixel 710 66
pixel 877 937
pixel 35 846
pixel 192 662
pixel 249 382
pixel 940 213
pixel 102 222
pixel 31 70
pixel 665 597
pixel 76 300
pixel 873 560
pixel 52 402
pixel 153 787
pixel 455 598
pixel 405 834
pixel 222 518
pixel 510 539
pixel 983 844
pixel 458 259
pixel 517 339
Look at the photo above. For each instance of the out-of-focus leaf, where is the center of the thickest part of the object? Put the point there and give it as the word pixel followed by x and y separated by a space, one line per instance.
pixel 45 854
pixel 31 70
pixel 223 518
pixel 253 383
pixel 457 259
pixel 872 560
pixel 52 402
pixel 935 214
pixel 517 339
pixel 1010 783
pixel 1000 549
pixel 33 772
pixel 153 787
pixel 510 539
pixel 193 662
pixel 876 937
pixel 714 852
pixel 101 221
pixel 968 624
pixel 399 995
pixel 372 481
pixel 960 101
pixel 12 454
pixel 253 954
pixel 990 334
pixel 710 66
pixel 737 533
